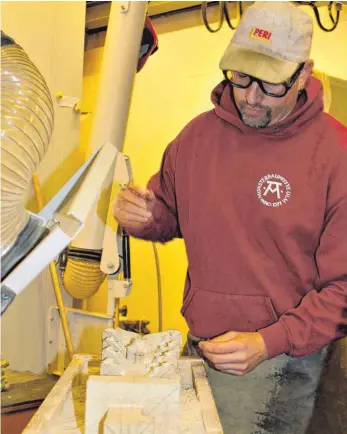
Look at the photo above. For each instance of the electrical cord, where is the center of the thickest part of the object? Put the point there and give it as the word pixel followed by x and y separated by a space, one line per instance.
pixel 335 21
pixel 221 16
pixel 159 286
pixel 227 15
pixel 223 13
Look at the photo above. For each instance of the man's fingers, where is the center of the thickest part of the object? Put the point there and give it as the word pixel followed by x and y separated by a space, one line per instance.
pixel 128 207
pixel 237 357
pixel 130 195
pixel 225 337
pixel 237 367
pixel 151 195
pixel 223 347
pixel 141 192
pixel 124 218
pixel 217 358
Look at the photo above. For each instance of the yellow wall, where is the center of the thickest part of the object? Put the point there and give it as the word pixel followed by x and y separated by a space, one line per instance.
pixel 174 87
pixel 52 34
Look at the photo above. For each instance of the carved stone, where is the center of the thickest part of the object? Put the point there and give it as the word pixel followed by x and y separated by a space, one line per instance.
pixel 128 353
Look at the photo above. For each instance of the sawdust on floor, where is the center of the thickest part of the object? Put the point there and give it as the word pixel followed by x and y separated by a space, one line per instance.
pixel 15 377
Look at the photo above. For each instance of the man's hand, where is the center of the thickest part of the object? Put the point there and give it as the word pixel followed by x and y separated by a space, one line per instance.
pixel 234 352
pixel 133 207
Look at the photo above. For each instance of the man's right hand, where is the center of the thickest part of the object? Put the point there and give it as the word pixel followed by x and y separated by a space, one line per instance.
pixel 133 207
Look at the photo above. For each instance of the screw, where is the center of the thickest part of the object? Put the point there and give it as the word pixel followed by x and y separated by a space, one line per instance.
pixel 50 342
pixel 5 296
pixel 109 265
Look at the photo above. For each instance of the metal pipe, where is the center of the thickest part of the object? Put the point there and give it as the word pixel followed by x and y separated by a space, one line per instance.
pixel 121 52
pixel 120 59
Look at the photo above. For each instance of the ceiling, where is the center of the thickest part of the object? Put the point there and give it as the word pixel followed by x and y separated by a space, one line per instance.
pixel 98 11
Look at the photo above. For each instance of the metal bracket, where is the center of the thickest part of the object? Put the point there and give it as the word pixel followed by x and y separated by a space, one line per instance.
pixel 86 333
pixel 124 7
pixel 112 242
pixel 117 289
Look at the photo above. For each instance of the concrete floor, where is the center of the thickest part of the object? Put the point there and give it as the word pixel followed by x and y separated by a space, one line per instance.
pixel 330 415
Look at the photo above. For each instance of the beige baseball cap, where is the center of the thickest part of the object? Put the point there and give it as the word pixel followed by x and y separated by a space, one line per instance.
pixel 272 39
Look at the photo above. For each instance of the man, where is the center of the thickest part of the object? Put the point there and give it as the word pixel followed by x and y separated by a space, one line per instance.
pixel 257 188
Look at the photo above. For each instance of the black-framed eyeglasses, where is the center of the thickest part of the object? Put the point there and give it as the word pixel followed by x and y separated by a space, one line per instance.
pixel 276 90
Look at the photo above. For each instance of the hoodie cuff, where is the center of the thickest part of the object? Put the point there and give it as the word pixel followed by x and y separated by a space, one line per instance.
pixel 158 228
pixel 276 339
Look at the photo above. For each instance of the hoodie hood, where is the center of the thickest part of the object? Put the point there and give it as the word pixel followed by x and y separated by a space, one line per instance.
pixel 308 106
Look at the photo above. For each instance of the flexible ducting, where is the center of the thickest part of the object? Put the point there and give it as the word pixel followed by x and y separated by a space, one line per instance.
pixel 27 118
pixel 83 276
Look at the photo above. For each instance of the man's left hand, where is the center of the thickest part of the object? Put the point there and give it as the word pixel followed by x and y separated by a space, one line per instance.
pixel 235 353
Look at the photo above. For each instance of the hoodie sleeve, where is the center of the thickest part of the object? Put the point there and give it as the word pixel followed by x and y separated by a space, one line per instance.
pixel 164 225
pixel 319 319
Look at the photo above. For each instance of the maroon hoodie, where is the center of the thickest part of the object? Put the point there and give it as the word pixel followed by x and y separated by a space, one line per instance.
pixel 263 214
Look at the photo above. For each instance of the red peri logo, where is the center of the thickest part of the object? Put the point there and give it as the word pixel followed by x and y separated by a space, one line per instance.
pixel 261 34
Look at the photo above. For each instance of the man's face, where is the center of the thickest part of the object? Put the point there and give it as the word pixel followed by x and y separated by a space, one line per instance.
pixel 258 110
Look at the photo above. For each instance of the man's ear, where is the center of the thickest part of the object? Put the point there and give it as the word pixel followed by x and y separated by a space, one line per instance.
pixel 305 73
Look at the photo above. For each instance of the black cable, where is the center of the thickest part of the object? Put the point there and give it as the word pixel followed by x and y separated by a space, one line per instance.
pixel 159 287
pixel 331 4
pixel 335 21
pixel 204 16
pixel 227 15
pixel 240 9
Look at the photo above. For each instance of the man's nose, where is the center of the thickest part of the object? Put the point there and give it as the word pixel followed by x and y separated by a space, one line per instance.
pixel 254 94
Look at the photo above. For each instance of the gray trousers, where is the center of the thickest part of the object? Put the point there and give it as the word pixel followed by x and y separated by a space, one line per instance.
pixel 276 398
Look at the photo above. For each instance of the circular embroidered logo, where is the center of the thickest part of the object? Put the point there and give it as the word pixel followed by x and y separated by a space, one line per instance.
pixel 273 190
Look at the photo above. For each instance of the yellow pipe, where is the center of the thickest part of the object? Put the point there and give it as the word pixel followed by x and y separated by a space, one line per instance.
pixel 55 279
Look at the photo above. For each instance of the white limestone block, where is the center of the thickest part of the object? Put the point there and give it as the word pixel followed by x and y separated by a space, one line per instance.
pixel 128 353
pixel 126 420
pixel 159 398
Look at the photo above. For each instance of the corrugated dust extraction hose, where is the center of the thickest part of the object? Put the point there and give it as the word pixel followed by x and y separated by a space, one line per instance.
pixel 27 119
pixel 82 279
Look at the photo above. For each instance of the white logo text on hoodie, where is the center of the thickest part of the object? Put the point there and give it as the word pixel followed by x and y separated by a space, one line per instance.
pixel 273 190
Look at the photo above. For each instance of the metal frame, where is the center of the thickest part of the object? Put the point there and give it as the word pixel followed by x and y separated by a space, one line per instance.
pixel 63 225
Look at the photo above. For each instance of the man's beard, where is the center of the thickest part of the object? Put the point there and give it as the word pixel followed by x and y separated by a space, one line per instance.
pixel 260 121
